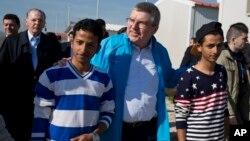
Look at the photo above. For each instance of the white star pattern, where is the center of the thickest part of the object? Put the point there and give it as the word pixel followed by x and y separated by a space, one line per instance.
pixel 214 86
pixel 187 90
pixel 194 86
pixel 189 70
pixel 202 99
pixel 182 79
pixel 221 86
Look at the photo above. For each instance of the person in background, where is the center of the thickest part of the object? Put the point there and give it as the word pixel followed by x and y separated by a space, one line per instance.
pixel 246 52
pixel 11 25
pixel 103 24
pixel 192 41
pixel 70 36
pixel 52 35
pixel 189 59
pixel 65 46
pixel 23 57
pixel 233 59
pixel 122 30
pixel 75 102
pixel 140 69
pixel 201 99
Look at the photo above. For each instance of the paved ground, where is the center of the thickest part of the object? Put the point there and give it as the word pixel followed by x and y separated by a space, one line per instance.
pixel 171 115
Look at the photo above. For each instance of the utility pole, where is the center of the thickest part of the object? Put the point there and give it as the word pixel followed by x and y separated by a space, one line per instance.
pixel 56 25
pixel 97 9
pixel 68 16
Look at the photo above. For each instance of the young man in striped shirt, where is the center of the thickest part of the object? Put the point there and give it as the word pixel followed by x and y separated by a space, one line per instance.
pixel 201 99
pixel 76 101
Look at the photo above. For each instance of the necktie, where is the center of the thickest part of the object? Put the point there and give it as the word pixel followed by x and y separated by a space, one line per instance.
pixel 34 43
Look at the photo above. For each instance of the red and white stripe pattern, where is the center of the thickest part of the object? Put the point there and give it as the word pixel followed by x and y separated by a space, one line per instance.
pixel 200 104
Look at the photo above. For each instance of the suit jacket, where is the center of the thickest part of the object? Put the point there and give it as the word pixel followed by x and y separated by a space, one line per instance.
pixel 19 78
pixel 1 40
pixel 66 49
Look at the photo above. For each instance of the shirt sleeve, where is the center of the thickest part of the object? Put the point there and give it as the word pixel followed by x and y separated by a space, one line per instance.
pixel 182 101
pixel 44 101
pixel 107 105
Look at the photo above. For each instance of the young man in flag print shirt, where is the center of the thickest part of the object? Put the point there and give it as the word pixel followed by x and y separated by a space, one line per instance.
pixel 201 99
pixel 75 102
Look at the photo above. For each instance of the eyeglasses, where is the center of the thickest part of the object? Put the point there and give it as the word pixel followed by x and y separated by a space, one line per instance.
pixel 139 24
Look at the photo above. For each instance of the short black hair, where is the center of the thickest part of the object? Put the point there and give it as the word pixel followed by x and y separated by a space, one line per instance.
pixel 14 17
pixel 235 30
pixel 52 35
pixel 122 30
pixel 101 22
pixel 89 25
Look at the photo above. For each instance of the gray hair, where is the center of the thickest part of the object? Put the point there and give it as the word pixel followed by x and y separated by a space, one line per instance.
pixel 151 9
pixel 236 29
pixel 38 10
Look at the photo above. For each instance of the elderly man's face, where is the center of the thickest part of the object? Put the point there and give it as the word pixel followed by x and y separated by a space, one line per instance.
pixel 140 28
pixel 35 22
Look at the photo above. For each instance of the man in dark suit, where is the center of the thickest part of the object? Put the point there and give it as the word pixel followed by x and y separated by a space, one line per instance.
pixel 66 46
pixel 11 25
pixel 23 57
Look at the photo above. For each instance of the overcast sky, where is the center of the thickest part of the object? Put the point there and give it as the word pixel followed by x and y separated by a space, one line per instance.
pixel 57 11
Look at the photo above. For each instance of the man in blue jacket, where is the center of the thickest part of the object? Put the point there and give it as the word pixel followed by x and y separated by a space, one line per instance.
pixel 140 69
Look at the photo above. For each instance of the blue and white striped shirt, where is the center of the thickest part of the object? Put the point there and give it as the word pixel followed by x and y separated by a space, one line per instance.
pixel 68 104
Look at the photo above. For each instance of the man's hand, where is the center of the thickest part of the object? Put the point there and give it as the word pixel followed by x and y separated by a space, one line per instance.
pixel 83 137
pixel 62 62
pixel 232 120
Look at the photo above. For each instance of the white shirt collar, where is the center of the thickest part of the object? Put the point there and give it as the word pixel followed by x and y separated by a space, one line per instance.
pixel 31 36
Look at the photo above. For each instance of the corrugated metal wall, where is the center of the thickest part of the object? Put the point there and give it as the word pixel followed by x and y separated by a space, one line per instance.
pixel 203 15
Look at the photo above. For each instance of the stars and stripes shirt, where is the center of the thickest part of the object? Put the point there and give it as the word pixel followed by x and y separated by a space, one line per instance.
pixel 68 104
pixel 200 104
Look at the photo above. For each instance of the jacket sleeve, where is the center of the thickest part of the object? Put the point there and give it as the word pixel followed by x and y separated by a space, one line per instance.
pixel 101 59
pixel 4 52
pixel 230 102
pixel 171 75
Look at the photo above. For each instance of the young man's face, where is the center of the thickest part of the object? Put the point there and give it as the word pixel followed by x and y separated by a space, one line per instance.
pixel 85 45
pixel 10 27
pixel 211 47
